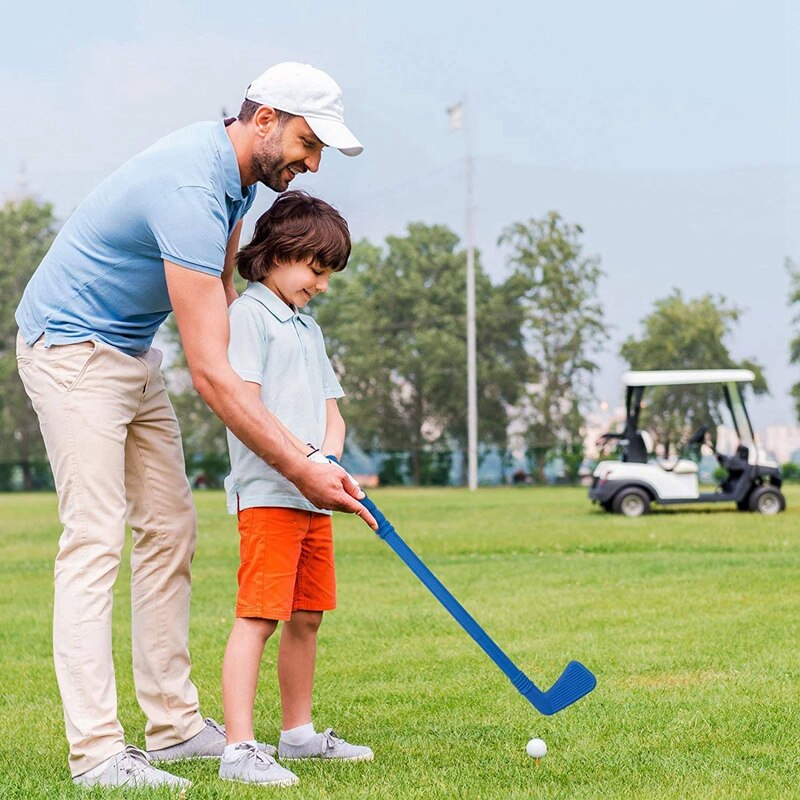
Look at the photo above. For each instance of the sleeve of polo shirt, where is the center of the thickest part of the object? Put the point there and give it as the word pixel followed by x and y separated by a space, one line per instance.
pixel 330 383
pixel 191 229
pixel 247 351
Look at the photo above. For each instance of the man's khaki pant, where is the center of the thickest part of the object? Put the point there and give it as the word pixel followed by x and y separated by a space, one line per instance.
pixel 115 450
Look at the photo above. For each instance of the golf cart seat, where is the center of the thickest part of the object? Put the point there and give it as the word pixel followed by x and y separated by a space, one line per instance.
pixel 683 466
pixel 680 466
pixel 737 462
pixel 736 467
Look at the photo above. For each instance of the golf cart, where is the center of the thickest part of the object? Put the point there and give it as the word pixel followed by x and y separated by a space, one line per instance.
pixel 639 478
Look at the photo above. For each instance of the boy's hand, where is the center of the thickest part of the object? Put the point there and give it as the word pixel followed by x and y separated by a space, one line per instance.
pixel 329 486
pixel 319 458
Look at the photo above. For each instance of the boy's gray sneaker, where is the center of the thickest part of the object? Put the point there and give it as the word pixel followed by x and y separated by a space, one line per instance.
pixel 253 765
pixel 130 768
pixel 324 745
pixel 209 743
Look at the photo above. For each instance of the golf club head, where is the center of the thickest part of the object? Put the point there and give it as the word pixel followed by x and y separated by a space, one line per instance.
pixel 575 682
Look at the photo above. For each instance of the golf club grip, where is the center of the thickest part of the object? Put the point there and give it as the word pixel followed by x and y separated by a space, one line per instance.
pixel 387 532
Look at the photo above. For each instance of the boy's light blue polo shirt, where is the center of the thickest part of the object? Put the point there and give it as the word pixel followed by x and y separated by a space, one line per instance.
pixel 103 277
pixel 283 351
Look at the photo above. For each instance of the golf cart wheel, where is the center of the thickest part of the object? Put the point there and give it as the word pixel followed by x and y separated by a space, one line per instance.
pixel 631 502
pixel 767 500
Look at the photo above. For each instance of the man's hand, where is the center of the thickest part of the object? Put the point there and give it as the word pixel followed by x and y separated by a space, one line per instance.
pixel 329 486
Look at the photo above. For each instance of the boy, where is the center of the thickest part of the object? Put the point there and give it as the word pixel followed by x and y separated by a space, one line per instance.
pixel 287 568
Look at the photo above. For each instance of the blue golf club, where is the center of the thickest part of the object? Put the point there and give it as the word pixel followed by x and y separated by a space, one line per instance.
pixel 575 681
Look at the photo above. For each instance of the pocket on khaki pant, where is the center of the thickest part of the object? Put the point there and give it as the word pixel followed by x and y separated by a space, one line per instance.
pixel 69 362
pixel 24 354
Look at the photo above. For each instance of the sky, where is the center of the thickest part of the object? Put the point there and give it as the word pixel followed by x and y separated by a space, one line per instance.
pixel 670 133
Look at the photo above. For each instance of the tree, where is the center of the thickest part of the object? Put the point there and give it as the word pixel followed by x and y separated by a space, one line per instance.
pixel 793 268
pixel 395 324
pixel 686 334
pixel 27 229
pixel 563 327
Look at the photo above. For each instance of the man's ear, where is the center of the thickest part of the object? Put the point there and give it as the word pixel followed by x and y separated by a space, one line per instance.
pixel 265 120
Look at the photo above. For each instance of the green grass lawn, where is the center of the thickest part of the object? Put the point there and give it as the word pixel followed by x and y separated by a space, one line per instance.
pixel 688 618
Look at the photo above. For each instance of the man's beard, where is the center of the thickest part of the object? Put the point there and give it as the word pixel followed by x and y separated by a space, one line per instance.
pixel 267 165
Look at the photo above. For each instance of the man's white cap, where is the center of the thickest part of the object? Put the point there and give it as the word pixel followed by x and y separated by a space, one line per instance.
pixel 304 91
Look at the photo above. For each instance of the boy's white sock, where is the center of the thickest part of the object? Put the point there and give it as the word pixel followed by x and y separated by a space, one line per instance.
pixel 230 754
pixel 299 735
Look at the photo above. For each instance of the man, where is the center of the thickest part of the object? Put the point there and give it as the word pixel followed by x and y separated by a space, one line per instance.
pixel 159 234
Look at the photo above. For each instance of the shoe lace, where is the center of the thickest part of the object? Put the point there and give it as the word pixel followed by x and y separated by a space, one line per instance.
pixel 134 761
pixel 330 741
pixel 214 725
pixel 256 753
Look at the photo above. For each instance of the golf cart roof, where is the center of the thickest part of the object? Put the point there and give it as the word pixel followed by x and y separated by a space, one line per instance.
pixel 675 377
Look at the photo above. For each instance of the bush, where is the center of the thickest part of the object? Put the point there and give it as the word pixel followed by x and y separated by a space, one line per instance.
pixel 791 471
pixel 40 476
pixel 208 471
pixel 394 470
pixel 435 468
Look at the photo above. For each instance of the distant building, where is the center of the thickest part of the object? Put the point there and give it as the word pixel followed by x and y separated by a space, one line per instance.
pixel 781 441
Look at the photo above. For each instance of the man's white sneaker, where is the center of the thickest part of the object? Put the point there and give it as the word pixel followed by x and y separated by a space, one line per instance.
pixel 209 743
pixel 251 764
pixel 130 768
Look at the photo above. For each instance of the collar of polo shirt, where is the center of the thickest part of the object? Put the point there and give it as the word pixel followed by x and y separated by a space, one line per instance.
pixel 230 166
pixel 273 303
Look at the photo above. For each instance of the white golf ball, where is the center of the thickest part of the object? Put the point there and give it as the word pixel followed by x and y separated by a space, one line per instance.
pixel 536 748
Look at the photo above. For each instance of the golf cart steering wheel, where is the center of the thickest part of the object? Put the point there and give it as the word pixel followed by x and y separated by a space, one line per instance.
pixel 699 436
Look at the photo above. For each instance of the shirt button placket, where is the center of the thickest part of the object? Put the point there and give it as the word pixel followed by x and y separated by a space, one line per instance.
pixel 298 325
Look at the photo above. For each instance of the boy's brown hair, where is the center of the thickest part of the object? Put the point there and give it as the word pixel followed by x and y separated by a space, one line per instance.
pixel 296 227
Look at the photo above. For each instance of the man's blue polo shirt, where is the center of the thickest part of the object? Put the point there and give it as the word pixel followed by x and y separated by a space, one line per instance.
pixel 103 277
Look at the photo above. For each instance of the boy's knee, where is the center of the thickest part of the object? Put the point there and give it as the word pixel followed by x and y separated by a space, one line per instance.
pixel 256 627
pixel 306 622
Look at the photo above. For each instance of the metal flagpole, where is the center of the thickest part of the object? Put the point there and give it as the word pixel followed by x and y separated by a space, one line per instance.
pixel 472 370
pixel 458 119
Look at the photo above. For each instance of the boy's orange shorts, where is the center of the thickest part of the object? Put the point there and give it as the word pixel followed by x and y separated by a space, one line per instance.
pixel 286 563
